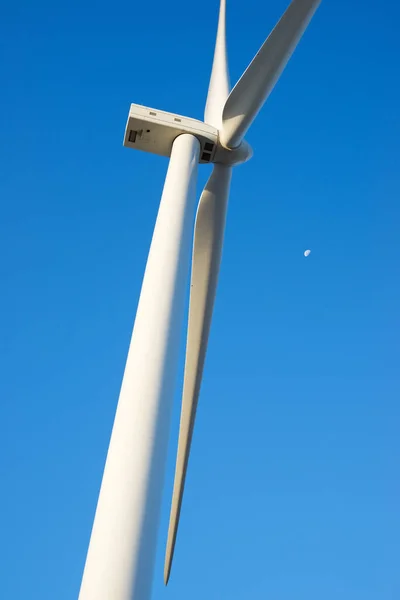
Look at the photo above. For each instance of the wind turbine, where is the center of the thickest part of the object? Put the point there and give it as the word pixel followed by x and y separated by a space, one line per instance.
pixel 120 559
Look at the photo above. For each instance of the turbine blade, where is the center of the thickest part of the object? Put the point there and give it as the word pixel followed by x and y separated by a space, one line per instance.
pixel 257 82
pixel 219 86
pixel 207 249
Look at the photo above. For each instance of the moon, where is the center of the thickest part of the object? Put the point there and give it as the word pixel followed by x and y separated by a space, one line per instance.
pixel 307 252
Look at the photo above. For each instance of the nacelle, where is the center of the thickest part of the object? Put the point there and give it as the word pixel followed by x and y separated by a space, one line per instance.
pixel 152 130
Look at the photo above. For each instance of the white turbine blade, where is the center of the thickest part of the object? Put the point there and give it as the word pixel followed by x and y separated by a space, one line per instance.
pixel 219 86
pixel 257 82
pixel 207 249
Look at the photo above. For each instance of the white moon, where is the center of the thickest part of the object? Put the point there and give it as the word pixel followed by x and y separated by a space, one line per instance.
pixel 307 252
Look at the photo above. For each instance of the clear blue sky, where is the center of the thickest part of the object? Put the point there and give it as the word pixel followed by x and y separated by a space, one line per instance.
pixel 293 491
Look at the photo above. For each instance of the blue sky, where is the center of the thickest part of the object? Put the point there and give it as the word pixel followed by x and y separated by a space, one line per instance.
pixel 293 489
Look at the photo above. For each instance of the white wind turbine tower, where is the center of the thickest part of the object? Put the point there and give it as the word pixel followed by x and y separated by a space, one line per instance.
pixel 121 554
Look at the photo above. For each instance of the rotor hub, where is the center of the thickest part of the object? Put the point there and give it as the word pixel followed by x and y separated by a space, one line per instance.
pixel 233 156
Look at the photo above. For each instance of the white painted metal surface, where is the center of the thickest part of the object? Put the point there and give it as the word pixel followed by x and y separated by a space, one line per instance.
pixel 153 130
pixel 121 554
pixel 120 560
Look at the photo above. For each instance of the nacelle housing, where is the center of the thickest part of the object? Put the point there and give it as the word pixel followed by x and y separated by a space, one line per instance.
pixel 152 130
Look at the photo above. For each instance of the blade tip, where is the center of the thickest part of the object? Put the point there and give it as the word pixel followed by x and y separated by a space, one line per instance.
pixel 167 573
